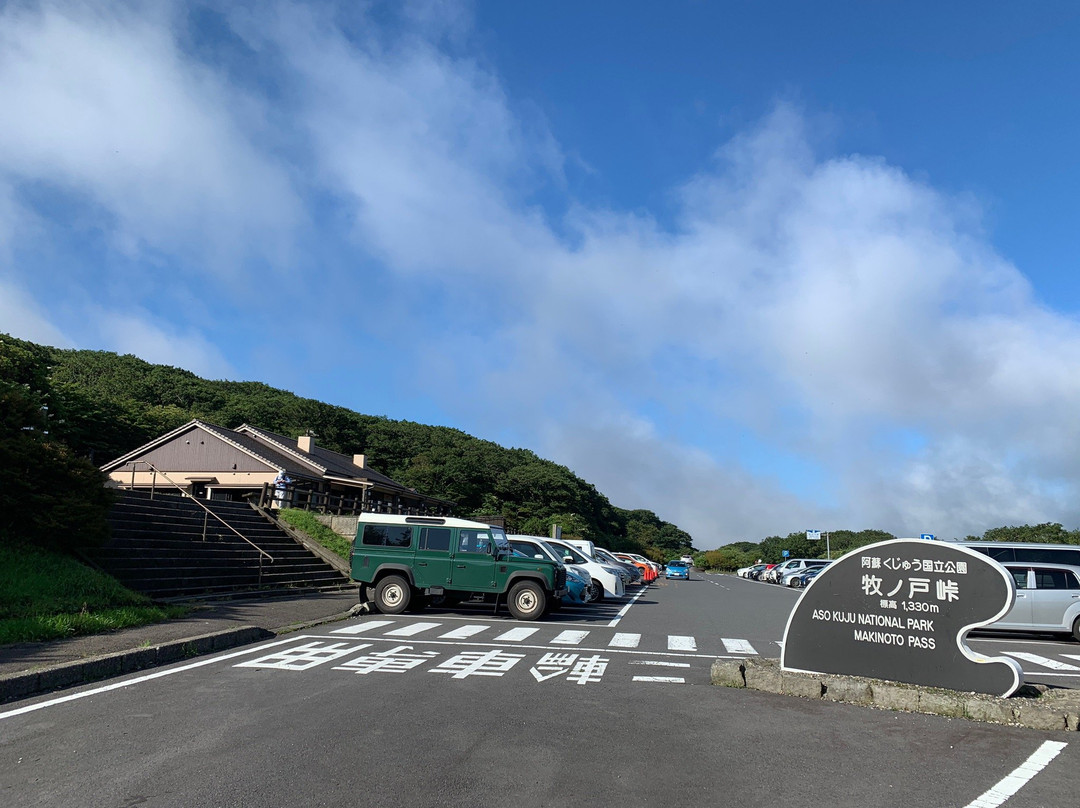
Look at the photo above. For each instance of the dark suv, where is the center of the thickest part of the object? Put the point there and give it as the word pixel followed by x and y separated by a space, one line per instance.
pixel 403 561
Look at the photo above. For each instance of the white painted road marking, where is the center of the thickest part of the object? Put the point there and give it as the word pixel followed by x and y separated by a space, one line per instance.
pixel 625 641
pixel 409 631
pixel 738 647
pixel 140 679
pixel 677 643
pixel 664 664
pixel 517 634
pixel 674 679
pixel 1019 776
pixel 570 637
pixel 1053 664
pixel 626 608
pixel 361 627
pixel 463 633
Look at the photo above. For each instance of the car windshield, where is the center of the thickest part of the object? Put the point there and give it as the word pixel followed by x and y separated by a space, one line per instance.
pixel 567 550
pixel 676 563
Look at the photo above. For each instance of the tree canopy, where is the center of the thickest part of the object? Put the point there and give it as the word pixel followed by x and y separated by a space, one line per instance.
pixel 101 405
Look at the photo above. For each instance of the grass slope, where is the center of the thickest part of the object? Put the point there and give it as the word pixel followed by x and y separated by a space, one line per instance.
pixel 46 595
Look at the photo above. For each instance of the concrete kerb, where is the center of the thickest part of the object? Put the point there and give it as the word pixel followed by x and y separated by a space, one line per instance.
pixel 1039 708
pixel 69 674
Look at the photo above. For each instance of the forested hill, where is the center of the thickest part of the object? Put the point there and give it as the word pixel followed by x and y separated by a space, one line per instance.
pixel 101 405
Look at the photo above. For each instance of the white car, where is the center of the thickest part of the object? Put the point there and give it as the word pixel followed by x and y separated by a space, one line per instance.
pixel 689 560
pixel 1047 599
pixel 539 548
pixel 606 579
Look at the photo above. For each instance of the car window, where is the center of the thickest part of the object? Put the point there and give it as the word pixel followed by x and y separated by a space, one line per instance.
pixel 435 538
pixel 474 541
pixel 1054 579
pixel 1020 578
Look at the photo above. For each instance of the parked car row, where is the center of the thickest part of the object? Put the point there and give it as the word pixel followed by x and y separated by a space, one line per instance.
pixel 794 572
pixel 601 573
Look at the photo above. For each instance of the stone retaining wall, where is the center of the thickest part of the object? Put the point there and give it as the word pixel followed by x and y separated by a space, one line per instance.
pixel 1035 707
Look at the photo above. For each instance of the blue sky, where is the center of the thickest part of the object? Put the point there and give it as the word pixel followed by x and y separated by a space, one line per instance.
pixel 759 267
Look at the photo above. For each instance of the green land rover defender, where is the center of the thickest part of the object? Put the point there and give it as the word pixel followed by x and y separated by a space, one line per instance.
pixel 403 561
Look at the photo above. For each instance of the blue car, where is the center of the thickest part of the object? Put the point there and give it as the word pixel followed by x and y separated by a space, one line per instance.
pixel 677 569
pixel 576 588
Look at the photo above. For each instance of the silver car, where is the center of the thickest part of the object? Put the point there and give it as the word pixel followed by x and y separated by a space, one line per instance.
pixel 1047 599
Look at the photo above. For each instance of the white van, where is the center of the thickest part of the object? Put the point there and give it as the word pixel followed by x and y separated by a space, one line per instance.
pixel 606 578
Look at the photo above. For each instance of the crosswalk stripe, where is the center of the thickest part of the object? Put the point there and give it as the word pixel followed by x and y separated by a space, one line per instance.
pixel 359 628
pixel 1043 661
pixel 673 679
pixel 625 641
pixel 463 633
pixel 738 647
pixel 570 637
pixel 408 631
pixel 517 634
pixel 661 663
pixel 677 643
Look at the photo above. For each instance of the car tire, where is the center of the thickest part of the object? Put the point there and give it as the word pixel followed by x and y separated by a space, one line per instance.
pixel 795 582
pixel 598 595
pixel 526 601
pixel 1076 629
pixel 392 594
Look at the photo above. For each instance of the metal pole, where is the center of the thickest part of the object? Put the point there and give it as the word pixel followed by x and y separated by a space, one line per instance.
pixel 828 550
pixel 153 484
pixel 205 517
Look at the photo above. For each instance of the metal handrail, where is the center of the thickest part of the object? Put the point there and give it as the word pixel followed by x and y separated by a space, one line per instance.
pixel 183 492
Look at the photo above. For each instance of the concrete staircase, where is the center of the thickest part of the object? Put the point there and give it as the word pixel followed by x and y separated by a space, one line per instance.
pixel 157 548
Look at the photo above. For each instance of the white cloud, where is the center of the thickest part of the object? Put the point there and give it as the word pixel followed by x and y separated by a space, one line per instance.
pixel 22 317
pixel 100 103
pixel 803 306
pixel 136 333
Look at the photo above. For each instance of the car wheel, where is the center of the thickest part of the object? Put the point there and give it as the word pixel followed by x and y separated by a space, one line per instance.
pixel 392 594
pixel 598 595
pixel 1076 629
pixel 795 582
pixel 526 601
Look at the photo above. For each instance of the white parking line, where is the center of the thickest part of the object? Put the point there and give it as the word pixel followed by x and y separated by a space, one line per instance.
pixel 362 627
pixel 463 633
pixel 660 663
pixel 1020 776
pixel 570 637
pixel 625 641
pixel 677 643
pixel 517 634
pixel 673 679
pixel 408 631
pixel 140 679
pixel 626 608
pixel 1045 662
pixel 738 646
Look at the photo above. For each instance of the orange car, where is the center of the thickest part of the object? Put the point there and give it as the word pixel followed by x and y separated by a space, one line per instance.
pixel 648 574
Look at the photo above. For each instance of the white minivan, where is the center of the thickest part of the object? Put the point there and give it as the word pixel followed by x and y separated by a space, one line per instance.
pixel 606 579
pixel 1047 599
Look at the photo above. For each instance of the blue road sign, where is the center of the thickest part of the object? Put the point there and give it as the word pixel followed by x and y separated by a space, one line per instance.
pixel 785 553
pixel 927 536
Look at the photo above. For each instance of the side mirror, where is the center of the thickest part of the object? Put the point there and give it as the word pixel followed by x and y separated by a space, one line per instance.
pixel 568 559
pixel 540 556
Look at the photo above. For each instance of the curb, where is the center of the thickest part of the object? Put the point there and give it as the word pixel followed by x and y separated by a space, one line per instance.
pixel 68 674
pixel 1033 707
pixel 21 685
